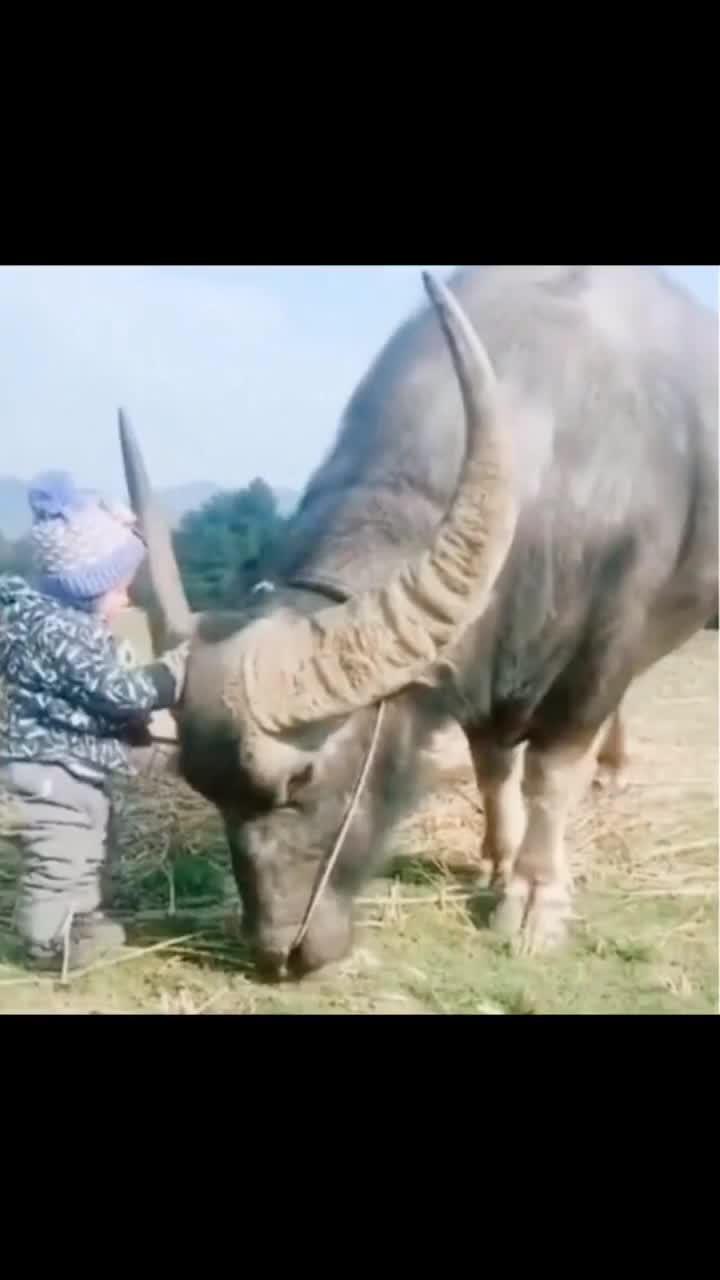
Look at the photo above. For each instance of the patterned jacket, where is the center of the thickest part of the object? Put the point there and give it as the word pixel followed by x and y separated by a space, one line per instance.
pixel 66 695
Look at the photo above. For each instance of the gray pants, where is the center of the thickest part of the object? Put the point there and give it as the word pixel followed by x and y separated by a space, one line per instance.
pixel 61 826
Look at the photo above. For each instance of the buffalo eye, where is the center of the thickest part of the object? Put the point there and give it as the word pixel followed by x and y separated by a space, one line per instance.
pixel 297 782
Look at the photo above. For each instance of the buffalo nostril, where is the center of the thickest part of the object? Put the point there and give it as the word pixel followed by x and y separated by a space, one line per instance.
pixel 273 965
pixel 304 961
pixel 296 963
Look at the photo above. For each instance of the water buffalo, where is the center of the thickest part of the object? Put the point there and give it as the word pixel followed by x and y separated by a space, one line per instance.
pixel 518 516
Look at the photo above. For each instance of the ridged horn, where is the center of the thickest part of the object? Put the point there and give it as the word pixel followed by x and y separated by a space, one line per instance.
pixel 290 672
pixel 172 612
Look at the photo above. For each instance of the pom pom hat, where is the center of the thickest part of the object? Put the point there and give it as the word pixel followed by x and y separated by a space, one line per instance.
pixel 82 546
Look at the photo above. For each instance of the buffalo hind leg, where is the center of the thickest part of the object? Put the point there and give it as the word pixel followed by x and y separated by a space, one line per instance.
pixel 612 760
pixel 498 774
pixel 536 905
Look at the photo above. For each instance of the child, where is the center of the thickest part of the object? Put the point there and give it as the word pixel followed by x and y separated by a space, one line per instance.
pixel 69 710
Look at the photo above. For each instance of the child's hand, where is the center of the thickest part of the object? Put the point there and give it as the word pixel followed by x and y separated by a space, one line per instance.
pixel 176 662
pixel 137 733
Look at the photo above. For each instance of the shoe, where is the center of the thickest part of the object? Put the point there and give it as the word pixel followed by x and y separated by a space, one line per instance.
pixel 91 935
pixel 43 959
pixel 95 927
pixel 49 959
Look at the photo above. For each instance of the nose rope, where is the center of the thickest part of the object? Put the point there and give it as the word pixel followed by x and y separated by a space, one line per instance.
pixel 340 839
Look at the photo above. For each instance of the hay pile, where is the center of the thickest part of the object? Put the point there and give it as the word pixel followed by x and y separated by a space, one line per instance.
pixel 165 843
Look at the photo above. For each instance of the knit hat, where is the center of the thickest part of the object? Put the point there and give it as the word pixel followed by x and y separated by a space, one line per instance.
pixel 82 546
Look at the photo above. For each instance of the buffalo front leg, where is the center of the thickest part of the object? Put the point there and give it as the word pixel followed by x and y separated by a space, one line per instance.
pixel 536 905
pixel 612 759
pixel 498 774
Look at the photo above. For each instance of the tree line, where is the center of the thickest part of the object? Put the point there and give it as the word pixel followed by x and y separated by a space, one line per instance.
pixel 223 548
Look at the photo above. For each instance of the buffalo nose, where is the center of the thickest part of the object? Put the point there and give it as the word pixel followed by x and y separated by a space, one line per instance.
pixel 297 963
pixel 272 963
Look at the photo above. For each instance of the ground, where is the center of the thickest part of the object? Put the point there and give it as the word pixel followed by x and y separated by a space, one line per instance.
pixel 645 863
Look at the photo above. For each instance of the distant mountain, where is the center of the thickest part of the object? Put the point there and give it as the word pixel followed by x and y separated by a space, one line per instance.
pixel 177 500
pixel 287 500
pixel 182 498
pixel 15 513
pixel 14 510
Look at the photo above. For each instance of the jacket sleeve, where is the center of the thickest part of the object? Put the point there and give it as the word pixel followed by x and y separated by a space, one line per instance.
pixel 84 670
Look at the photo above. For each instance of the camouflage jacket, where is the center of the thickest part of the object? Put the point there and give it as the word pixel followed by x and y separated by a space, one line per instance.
pixel 66 694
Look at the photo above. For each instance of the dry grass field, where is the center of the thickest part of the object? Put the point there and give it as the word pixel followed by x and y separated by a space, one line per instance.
pixel 646 868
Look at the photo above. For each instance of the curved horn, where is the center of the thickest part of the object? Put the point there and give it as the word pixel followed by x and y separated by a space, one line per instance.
pixel 169 594
pixel 291 672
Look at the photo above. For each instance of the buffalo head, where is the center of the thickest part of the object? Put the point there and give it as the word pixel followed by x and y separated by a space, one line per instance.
pixel 279 702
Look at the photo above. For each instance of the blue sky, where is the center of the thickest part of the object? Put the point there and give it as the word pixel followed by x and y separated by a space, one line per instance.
pixel 226 372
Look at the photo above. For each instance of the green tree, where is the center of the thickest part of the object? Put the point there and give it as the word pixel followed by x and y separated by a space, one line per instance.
pixel 227 545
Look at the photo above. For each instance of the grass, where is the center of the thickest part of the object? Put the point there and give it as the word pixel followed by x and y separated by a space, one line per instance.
pixel 645 939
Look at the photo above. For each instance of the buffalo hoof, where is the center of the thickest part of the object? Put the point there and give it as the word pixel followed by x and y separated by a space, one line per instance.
pixel 546 923
pixel 495 874
pixel 485 874
pixel 611 779
pixel 509 915
pixel 533 917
